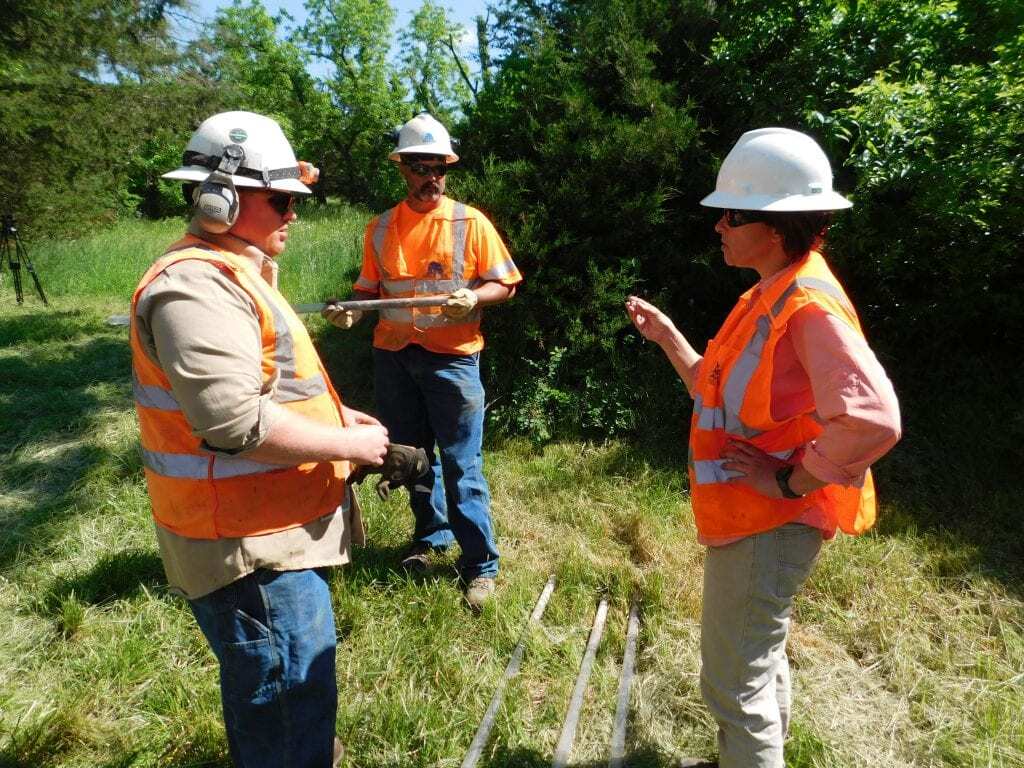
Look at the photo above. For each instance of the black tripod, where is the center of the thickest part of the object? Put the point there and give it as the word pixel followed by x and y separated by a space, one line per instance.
pixel 14 256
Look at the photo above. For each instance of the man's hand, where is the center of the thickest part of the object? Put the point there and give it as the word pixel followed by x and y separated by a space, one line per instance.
pixel 352 416
pixel 403 465
pixel 365 444
pixel 461 303
pixel 340 318
pixel 757 467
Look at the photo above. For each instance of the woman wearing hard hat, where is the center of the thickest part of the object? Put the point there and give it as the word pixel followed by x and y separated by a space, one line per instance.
pixel 791 407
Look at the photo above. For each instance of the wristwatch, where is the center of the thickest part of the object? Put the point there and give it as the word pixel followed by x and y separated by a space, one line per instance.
pixel 782 478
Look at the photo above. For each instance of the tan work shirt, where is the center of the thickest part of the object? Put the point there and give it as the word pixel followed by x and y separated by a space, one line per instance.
pixel 201 328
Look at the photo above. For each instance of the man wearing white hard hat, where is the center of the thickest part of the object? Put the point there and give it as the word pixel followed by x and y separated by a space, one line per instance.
pixel 791 408
pixel 427 359
pixel 246 445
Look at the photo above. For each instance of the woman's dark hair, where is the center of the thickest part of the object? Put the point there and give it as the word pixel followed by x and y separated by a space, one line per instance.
pixel 801 231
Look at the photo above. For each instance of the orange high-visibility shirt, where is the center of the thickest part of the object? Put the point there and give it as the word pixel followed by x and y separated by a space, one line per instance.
pixel 408 254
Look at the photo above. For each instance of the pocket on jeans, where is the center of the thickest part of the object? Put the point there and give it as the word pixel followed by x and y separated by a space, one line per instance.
pixel 249 671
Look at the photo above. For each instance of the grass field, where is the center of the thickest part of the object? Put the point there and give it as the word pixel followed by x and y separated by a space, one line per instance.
pixel 907 647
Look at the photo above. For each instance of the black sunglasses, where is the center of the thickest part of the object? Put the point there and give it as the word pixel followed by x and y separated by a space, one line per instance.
pixel 735 218
pixel 281 202
pixel 422 169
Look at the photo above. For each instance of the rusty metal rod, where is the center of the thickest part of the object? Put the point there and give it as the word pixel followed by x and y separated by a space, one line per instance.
pixel 484 730
pixel 362 305
pixel 618 750
pixel 565 741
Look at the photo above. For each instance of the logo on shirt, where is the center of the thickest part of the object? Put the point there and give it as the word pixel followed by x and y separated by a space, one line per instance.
pixel 716 374
pixel 435 270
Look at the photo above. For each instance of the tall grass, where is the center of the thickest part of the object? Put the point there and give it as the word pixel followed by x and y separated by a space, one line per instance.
pixel 907 647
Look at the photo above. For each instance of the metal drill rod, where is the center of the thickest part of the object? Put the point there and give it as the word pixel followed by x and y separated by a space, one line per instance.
pixel 565 741
pixel 484 730
pixel 618 749
pixel 363 305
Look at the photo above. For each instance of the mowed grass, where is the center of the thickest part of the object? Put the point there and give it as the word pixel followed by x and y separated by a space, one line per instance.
pixel 907 645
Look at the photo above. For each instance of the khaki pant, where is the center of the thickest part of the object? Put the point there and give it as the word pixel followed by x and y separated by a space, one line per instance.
pixel 749 587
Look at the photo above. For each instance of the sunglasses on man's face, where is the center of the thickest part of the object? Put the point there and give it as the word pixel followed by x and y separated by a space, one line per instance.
pixel 736 218
pixel 281 202
pixel 423 169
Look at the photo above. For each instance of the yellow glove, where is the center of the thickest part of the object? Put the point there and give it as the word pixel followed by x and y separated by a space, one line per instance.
pixel 341 318
pixel 460 303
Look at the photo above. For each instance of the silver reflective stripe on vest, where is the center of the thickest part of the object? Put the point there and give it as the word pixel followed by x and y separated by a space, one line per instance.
pixel 379 233
pixel 370 286
pixel 739 379
pixel 392 287
pixel 188 466
pixel 459 243
pixel 148 396
pixel 815 284
pixel 292 390
pixel 710 471
pixel 396 315
pixel 433 321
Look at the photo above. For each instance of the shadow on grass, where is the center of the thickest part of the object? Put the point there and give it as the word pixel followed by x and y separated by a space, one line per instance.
pixel 115 576
pixel 644 757
pixel 66 372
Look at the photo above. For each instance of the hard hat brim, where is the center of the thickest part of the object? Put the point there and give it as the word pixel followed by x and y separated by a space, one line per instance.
pixel 422 149
pixel 200 173
pixel 825 201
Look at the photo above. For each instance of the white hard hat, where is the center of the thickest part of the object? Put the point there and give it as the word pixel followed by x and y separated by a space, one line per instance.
pixel 775 169
pixel 423 135
pixel 268 161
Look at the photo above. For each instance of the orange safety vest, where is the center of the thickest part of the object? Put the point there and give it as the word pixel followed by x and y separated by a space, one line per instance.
pixel 202 495
pixel 440 270
pixel 732 398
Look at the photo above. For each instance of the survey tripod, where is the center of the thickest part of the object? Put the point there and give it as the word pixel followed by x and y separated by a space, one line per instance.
pixel 14 254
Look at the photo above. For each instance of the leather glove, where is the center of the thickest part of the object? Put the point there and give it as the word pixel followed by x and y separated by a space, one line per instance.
pixel 403 465
pixel 341 318
pixel 461 303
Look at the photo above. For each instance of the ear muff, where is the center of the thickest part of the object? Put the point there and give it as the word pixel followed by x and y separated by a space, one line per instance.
pixel 216 199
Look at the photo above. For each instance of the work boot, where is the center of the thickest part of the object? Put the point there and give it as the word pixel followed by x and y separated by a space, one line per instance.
pixel 696 762
pixel 416 558
pixel 479 591
pixel 339 752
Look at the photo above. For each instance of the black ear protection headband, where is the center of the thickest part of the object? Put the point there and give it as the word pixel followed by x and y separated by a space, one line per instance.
pixel 216 199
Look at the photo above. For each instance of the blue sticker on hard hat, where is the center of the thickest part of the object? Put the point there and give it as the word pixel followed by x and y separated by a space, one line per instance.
pixel 238 135
pixel 428 138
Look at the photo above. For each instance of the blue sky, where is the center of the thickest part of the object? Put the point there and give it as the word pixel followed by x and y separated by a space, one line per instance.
pixel 464 12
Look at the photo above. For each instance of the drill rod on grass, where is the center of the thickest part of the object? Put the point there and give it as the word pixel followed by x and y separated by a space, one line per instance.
pixel 618 749
pixel 565 741
pixel 482 732
pixel 362 305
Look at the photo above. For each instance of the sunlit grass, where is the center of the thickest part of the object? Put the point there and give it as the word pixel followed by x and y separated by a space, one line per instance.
pixel 907 647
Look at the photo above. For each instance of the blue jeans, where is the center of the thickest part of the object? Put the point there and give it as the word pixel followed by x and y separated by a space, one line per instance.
pixel 427 399
pixel 273 634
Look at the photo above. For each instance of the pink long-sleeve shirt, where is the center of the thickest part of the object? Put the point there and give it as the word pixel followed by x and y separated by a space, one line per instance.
pixel 821 363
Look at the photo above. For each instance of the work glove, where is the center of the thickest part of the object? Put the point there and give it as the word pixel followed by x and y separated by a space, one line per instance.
pixel 403 465
pixel 460 303
pixel 341 318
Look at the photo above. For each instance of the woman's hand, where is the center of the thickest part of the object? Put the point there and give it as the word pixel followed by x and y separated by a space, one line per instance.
pixel 653 324
pixel 757 467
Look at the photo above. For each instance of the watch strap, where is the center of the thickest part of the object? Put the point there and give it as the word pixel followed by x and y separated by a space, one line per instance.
pixel 782 478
